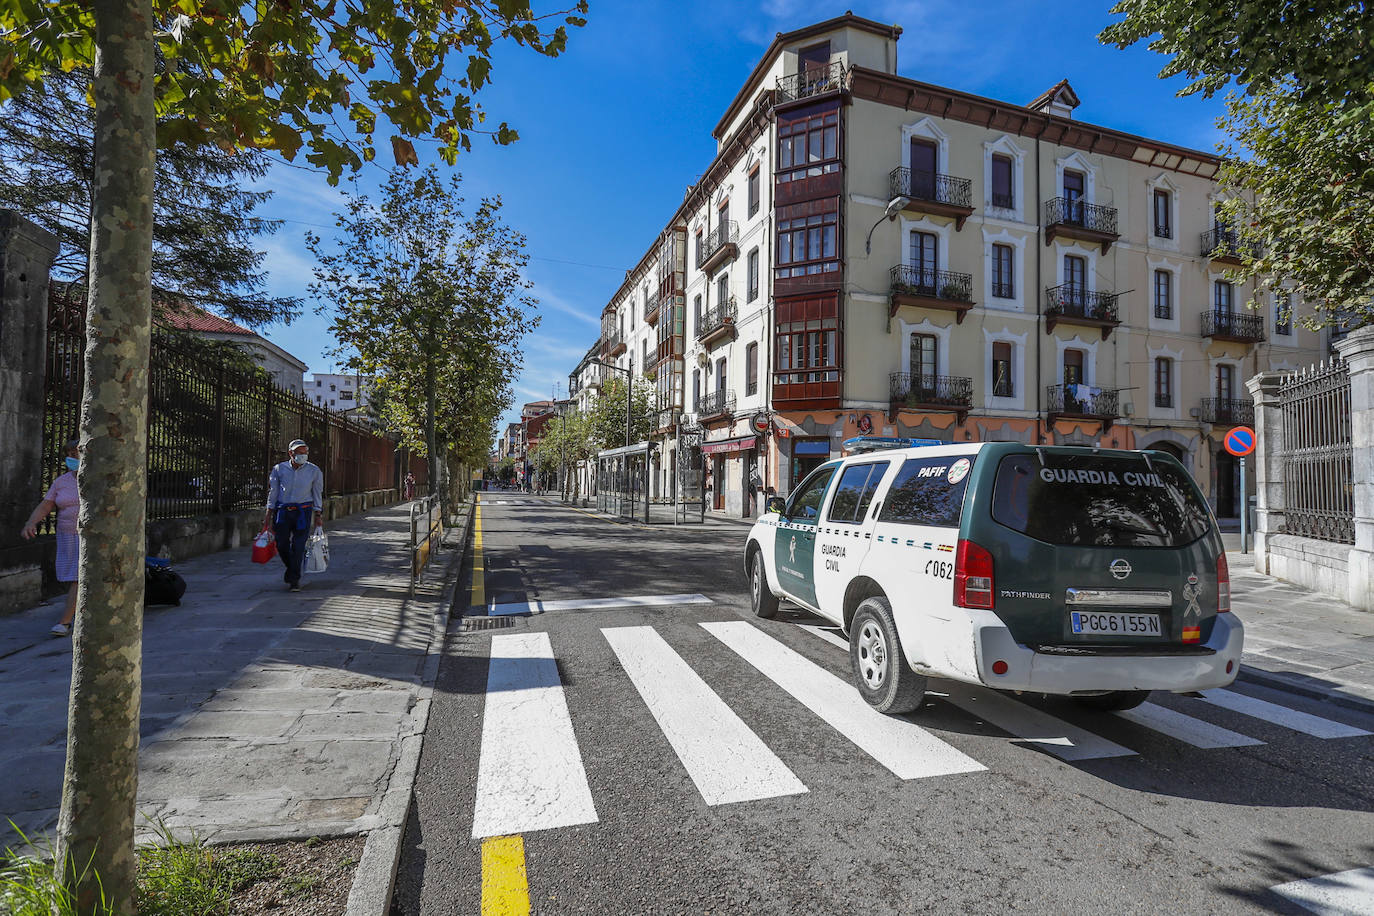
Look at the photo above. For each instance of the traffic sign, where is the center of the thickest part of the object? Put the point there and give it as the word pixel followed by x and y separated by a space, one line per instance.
pixel 1240 441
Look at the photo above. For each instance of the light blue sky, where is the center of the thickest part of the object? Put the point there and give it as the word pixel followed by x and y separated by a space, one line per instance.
pixel 614 131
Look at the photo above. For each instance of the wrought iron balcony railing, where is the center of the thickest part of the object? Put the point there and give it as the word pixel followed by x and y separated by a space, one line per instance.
pixel 1078 213
pixel 1070 301
pixel 1223 244
pixel 650 309
pixel 811 81
pixel 714 403
pixel 651 361
pixel 1228 411
pixel 930 186
pixel 1223 324
pixel 1084 401
pixel 1164 399
pixel 612 342
pixel 932 284
pixel 723 315
pixel 1164 231
pixel 717 240
pixel 920 390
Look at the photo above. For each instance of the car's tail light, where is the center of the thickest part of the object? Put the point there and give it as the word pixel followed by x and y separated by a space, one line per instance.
pixel 1223 585
pixel 972 576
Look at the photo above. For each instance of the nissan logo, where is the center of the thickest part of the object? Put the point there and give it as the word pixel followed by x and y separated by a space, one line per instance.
pixel 1120 569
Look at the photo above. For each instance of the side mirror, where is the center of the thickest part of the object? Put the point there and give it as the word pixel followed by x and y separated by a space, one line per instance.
pixel 774 504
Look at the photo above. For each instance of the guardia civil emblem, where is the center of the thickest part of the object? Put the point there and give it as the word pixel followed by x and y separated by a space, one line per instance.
pixel 1191 591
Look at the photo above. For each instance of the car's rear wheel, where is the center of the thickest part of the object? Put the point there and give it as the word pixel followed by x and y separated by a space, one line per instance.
pixel 1115 701
pixel 881 673
pixel 761 598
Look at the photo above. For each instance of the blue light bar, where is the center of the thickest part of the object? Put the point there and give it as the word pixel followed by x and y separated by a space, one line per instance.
pixel 874 443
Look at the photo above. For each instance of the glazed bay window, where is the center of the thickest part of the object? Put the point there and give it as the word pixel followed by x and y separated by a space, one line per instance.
pixel 809 146
pixel 1002 284
pixel 807 245
pixel 807 354
pixel 1164 295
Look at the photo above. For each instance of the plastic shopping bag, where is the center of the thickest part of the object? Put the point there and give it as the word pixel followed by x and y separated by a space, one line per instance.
pixel 264 546
pixel 316 552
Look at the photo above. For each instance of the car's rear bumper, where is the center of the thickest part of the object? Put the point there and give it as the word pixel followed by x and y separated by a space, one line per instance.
pixel 1044 672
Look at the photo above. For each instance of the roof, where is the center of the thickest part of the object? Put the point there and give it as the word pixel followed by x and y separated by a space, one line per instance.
pixel 1070 98
pixel 189 318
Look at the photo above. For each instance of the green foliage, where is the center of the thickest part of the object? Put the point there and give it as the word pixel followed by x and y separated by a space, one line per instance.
pixel 30 886
pixel 1300 159
pixel 608 414
pixel 287 76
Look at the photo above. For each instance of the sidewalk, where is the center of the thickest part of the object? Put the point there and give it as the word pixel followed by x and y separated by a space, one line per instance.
pixel 266 714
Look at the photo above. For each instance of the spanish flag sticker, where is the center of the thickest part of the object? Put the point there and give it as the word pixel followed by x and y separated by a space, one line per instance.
pixel 1192 634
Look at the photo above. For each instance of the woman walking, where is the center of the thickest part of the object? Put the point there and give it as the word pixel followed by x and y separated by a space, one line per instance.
pixel 63 497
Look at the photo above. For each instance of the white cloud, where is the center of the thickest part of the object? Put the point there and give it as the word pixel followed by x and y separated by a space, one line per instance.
pixel 549 299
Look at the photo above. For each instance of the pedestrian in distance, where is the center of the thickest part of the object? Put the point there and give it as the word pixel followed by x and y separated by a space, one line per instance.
pixel 410 485
pixel 63 497
pixel 295 494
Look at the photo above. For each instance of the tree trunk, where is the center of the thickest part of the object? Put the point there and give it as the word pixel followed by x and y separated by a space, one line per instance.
pixel 100 784
pixel 431 434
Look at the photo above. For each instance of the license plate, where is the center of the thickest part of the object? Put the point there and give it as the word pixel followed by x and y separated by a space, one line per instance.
pixel 1091 624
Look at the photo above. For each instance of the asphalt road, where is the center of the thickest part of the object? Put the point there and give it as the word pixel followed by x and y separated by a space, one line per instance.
pixel 948 814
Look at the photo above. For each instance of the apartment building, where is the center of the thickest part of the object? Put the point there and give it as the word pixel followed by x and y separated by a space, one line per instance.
pixel 347 392
pixel 870 254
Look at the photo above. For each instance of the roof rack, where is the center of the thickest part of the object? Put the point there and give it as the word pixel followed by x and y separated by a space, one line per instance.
pixel 860 444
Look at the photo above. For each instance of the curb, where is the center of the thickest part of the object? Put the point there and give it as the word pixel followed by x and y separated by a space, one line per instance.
pixel 375 877
pixel 1297 684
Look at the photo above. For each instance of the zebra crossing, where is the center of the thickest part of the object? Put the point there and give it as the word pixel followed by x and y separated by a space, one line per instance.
pixel 531 774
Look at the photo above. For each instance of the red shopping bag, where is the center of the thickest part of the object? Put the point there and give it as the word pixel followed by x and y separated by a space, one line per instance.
pixel 264 547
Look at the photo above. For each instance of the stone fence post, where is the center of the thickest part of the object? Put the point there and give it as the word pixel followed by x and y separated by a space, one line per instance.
pixel 1357 350
pixel 26 256
pixel 1269 445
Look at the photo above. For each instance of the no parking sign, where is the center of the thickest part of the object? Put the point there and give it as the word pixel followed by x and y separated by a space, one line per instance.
pixel 1240 441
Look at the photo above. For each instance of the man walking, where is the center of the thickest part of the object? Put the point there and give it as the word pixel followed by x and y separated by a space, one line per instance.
pixel 295 493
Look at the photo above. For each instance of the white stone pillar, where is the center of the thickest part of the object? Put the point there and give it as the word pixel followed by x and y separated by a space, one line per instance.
pixel 1269 444
pixel 1357 350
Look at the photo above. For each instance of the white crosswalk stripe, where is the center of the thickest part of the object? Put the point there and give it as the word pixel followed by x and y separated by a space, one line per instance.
pixel 1185 728
pixel 1346 893
pixel 1292 719
pixel 726 760
pixel 594 604
pixel 530 774
pixel 905 748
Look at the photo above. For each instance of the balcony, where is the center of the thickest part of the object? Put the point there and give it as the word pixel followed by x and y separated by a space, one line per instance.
pixel 933 193
pixel 1081 402
pixel 720 246
pixel 716 404
pixel 930 289
pixel 613 344
pixel 1225 246
pixel 651 361
pixel 1078 219
pixel 596 377
pixel 1228 411
pixel 650 311
pixel 718 324
pixel 810 83
pixel 1070 304
pixel 939 393
pixel 1221 324
pixel 665 419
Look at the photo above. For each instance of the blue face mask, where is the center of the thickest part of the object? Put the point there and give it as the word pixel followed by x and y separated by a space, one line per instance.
pixel 73 463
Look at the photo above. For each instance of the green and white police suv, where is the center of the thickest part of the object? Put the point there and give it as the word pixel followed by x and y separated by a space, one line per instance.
pixel 1086 572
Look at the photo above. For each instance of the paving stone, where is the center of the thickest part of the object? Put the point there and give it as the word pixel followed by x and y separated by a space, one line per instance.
pixel 346 725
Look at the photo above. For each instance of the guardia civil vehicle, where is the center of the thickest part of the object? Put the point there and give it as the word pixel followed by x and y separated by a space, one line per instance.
pixel 1092 573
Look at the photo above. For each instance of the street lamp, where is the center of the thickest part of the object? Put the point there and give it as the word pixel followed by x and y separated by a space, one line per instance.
pixel 894 206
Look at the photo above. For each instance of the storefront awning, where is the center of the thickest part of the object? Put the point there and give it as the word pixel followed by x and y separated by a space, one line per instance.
pixel 741 444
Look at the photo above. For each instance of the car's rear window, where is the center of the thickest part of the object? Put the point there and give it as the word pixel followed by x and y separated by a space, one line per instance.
pixel 928 491
pixel 1101 501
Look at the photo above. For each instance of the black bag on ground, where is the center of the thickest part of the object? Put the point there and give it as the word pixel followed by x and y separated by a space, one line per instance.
pixel 162 585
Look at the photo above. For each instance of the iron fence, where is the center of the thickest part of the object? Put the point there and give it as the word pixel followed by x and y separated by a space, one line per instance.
pixel 1229 325
pixel 1071 211
pixel 1318 487
pixel 910 280
pixel 715 403
pixel 215 426
pixel 1228 411
pixel 1083 401
pixel 811 81
pixel 1073 301
pixel 931 186
pixel 719 317
pixel 916 389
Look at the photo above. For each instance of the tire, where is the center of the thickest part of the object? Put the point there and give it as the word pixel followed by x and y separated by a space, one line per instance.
pixel 761 599
pixel 881 673
pixel 1116 701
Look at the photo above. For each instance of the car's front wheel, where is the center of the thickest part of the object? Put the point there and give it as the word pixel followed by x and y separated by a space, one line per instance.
pixel 761 598
pixel 881 673
pixel 1116 701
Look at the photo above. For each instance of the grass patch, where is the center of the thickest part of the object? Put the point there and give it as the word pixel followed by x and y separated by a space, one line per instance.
pixel 29 885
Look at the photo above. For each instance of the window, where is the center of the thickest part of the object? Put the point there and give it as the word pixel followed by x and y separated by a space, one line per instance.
pixel 1164 295
pixel 1002 384
pixel 923 366
pixel 1221 295
pixel 1002 285
pixel 923 495
pixel 924 157
pixel 807 244
pixel 751 369
pixel 1164 382
pixel 644 360
pixel 809 146
pixel 807 353
pixel 723 213
pixel 1283 314
pixel 1226 382
pixel 925 250
pixel 331 387
pixel 1002 193
pixel 696 313
pixel 805 503
pixel 854 492
pixel 1075 292
pixel 319 383
pixel 345 395
pixel 752 275
pixel 696 390
pixel 722 290
pixel 1073 197
pixel 700 246
pixel 1164 224
pixel 720 374
pixel 1149 505
pixel 813 58
pixel 754 191
pixel 1073 367
pixel 632 313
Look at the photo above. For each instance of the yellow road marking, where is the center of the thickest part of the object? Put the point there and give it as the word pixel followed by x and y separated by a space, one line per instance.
pixel 505 887
pixel 477 597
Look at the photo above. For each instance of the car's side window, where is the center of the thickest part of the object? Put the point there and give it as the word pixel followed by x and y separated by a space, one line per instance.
pixel 928 491
pixel 855 492
pixel 805 503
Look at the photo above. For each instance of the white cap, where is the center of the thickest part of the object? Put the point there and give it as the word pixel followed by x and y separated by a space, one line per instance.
pixel 295 444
